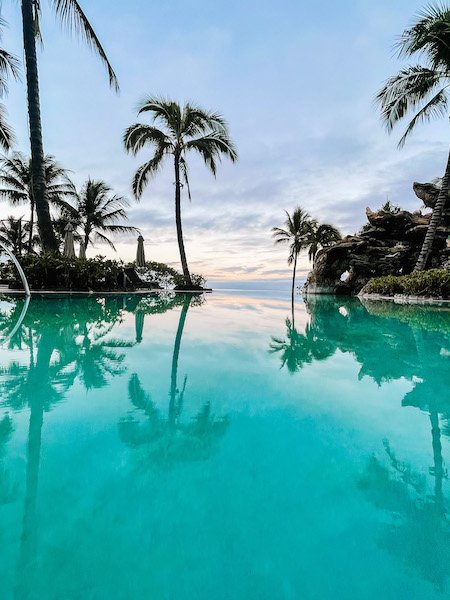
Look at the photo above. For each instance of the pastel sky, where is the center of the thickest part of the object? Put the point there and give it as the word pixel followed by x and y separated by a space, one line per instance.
pixel 294 79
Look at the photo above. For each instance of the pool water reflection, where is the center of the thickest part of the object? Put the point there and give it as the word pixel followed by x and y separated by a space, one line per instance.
pixel 183 447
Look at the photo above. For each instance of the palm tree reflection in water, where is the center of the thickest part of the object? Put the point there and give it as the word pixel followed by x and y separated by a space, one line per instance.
pixel 66 339
pixel 391 342
pixel 167 440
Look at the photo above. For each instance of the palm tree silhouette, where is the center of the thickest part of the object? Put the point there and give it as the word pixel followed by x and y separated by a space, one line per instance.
pixel 295 234
pixel 185 129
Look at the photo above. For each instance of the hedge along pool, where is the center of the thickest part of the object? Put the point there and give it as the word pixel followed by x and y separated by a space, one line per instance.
pixel 183 447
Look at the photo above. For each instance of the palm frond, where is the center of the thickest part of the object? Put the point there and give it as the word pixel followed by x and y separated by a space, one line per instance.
pixel 145 172
pixel 433 109
pixel 73 17
pixel 106 240
pixel 429 36
pixel 406 91
pixel 6 133
pixel 140 134
pixel 185 174
pixel 164 111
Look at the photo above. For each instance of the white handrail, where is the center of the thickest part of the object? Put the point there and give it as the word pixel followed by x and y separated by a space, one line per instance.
pixel 26 287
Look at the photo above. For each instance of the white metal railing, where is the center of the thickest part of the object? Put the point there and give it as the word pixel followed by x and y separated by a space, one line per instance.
pixel 26 287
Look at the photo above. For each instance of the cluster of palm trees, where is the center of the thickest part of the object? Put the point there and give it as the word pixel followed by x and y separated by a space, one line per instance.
pixel 176 131
pixel 303 232
pixel 94 211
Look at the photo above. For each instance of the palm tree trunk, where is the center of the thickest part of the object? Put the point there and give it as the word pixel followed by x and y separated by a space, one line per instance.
pixel 436 217
pixel 184 265
pixel 293 290
pixel 175 356
pixel 46 233
pixel 30 237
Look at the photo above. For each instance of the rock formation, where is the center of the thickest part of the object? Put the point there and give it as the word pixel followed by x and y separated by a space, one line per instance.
pixel 388 244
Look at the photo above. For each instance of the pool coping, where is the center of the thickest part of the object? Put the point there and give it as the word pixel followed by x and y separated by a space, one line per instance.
pixel 90 294
pixel 406 299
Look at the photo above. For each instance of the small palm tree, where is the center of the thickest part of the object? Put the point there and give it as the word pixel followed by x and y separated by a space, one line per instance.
pixel 14 234
pixel 422 90
pixel 297 227
pixel 73 17
pixel 17 188
pixel 9 66
pixel 184 129
pixel 97 212
pixel 321 236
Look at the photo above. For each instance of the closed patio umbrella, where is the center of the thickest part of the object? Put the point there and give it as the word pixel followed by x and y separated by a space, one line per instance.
pixel 69 247
pixel 82 253
pixel 140 254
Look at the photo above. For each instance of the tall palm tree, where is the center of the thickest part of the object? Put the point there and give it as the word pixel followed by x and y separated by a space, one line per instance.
pixel 422 90
pixel 9 66
pixel 184 129
pixel 321 236
pixel 72 16
pixel 97 212
pixel 17 188
pixel 295 234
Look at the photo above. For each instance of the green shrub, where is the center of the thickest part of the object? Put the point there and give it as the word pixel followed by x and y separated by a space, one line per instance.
pixel 434 283
pixel 56 272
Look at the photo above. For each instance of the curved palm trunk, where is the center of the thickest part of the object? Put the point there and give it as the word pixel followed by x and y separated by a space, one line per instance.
pixel 184 264
pixel 293 290
pixel 175 356
pixel 46 233
pixel 436 217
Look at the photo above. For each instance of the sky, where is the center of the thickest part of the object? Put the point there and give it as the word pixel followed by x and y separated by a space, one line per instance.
pixel 295 80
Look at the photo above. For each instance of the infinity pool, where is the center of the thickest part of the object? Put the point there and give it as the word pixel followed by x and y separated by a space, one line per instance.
pixel 182 448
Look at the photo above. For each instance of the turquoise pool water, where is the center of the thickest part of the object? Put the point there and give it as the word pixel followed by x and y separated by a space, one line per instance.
pixel 171 448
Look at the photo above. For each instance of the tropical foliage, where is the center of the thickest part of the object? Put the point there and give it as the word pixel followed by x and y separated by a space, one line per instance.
pixel 183 130
pixel 55 272
pixel 9 67
pixel 16 185
pixel 432 283
pixel 14 234
pixel 422 90
pixel 320 236
pixel 97 213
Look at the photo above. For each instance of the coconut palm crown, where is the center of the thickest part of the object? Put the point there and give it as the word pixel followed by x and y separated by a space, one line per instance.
pixel 422 90
pixel 176 131
pixel 97 213
pixel 321 236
